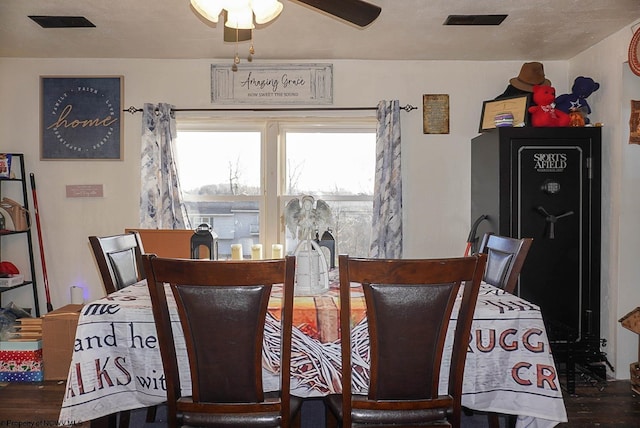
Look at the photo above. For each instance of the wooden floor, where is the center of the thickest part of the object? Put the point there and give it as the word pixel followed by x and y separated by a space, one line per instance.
pixel 35 403
pixel 603 405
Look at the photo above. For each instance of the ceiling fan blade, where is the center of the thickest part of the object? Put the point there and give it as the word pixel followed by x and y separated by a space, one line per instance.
pixel 357 12
pixel 230 35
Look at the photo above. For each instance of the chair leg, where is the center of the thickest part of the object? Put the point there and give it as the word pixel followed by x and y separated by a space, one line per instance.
pixel 109 421
pixel 151 414
pixel 330 419
pixel 296 422
pixel 125 416
pixel 494 420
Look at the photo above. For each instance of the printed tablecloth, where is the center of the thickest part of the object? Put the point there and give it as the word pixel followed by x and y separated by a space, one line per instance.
pixel 116 363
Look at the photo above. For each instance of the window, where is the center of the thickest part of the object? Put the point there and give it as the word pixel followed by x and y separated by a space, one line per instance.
pixel 238 176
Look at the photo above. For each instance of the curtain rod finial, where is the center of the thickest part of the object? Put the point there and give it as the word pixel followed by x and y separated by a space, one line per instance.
pixel 132 109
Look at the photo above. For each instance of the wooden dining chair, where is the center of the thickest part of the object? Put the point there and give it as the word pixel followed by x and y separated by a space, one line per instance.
pixel 409 304
pixel 222 310
pixel 505 258
pixel 119 259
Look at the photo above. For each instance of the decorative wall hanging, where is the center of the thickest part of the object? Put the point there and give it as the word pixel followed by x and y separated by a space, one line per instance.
pixel 81 117
pixel 634 53
pixel 435 114
pixel 272 84
pixel 634 123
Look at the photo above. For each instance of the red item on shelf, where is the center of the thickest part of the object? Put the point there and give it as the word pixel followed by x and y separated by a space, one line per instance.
pixel 8 267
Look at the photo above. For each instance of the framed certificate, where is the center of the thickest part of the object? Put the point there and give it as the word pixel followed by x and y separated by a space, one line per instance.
pixel 81 117
pixel 517 106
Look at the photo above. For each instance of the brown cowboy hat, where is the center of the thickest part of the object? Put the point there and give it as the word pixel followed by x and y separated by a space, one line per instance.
pixel 531 73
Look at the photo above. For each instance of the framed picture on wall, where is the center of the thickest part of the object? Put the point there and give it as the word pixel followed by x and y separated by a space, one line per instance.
pixel 634 123
pixel 435 113
pixel 81 117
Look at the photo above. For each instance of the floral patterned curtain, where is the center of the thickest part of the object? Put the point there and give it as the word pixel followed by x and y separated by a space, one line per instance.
pixel 161 205
pixel 386 239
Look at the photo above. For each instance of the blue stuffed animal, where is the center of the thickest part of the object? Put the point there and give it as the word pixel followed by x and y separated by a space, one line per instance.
pixel 577 99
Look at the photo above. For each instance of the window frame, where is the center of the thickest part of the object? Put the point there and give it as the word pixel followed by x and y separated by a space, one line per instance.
pixel 272 198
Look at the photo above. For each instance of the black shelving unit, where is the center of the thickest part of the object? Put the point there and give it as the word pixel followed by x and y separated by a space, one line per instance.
pixel 19 178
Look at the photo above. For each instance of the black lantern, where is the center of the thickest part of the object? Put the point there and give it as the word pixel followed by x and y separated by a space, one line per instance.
pixel 204 236
pixel 329 242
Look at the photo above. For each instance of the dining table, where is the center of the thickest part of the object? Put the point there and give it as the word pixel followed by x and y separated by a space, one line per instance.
pixel 116 363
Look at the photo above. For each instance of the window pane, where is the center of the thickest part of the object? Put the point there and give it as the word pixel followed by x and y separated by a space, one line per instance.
pixel 220 178
pixel 233 222
pixel 330 163
pixel 334 166
pixel 352 231
pixel 219 163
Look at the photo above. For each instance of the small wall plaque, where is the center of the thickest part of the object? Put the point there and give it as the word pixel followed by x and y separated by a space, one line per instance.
pixel 435 114
pixel 85 191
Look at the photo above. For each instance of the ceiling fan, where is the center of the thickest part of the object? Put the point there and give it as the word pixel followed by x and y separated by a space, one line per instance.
pixel 357 12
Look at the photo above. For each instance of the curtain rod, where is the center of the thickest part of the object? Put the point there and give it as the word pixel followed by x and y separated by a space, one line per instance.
pixel 407 108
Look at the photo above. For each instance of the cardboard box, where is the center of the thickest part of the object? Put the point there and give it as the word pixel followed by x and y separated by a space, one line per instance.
pixel 58 335
pixel 21 361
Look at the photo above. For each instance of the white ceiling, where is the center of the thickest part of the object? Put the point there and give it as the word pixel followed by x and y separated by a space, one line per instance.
pixel 406 29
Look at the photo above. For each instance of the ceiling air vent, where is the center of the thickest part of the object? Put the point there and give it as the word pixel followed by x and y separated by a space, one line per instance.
pixel 62 21
pixel 474 19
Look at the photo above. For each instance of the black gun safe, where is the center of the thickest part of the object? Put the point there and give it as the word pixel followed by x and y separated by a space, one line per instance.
pixel 545 183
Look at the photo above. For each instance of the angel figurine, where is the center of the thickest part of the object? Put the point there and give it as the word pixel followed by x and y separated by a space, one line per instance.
pixel 303 217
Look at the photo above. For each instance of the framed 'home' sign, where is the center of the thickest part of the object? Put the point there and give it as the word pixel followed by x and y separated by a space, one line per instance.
pixel 81 117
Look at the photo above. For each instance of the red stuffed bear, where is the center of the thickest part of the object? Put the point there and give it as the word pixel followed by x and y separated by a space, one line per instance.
pixel 544 114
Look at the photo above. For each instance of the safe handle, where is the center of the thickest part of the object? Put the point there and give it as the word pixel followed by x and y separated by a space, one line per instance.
pixel 552 219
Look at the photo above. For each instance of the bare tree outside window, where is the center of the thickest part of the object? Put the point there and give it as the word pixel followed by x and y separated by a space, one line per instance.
pixel 293 175
pixel 234 176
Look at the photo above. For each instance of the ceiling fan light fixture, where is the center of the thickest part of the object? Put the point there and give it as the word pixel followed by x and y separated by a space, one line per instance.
pixel 209 9
pixel 240 18
pixel 266 10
